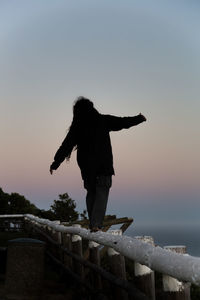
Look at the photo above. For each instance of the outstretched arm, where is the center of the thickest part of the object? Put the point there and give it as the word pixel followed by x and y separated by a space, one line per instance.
pixel 63 152
pixel 117 123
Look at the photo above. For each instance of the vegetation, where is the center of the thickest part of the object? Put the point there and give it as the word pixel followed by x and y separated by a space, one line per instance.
pixel 63 209
pixel 16 204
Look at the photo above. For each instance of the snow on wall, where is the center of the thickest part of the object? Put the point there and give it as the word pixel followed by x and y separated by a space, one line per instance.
pixel 183 267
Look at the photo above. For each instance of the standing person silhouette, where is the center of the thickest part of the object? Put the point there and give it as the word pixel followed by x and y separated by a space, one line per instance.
pixel 89 135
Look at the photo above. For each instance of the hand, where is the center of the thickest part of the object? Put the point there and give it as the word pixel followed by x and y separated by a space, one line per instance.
pixel 144 119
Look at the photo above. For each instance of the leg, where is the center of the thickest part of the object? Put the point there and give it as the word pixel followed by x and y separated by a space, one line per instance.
pixel 90 197
pixel 103 184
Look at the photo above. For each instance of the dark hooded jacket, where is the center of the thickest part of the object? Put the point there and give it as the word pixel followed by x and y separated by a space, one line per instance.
pixel 92 141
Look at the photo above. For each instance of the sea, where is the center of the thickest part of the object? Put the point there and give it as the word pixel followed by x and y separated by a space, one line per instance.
pixel 176 235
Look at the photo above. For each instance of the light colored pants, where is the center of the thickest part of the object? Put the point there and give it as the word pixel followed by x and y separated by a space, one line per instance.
pixel 97 198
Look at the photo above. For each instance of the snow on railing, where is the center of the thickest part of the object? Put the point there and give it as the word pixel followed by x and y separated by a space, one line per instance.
pixel 185 268
pixel 11 216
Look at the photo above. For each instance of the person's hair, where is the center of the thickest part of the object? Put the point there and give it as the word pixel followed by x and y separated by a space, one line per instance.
pixel 85 117
pixel 82 107
pixel 83 113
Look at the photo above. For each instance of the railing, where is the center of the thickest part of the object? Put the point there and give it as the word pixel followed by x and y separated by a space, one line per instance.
pixel 67 240
pixel 11 222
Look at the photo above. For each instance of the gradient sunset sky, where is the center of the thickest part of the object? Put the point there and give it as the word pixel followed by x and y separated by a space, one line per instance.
pixel 127 56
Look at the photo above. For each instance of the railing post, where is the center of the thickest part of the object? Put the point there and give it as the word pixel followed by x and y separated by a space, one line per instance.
pixel 32 230
pixel 27 226
pixel 50 246
pixel 77 249
pixel 56 234
pixel 173 288
pixel 67 243
pixel 58 238
pixel 42 228
pixel 144 276
pixel 94 257
pixel 117 266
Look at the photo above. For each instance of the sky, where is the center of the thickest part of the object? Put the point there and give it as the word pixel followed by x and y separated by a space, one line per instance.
pixel 127 56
